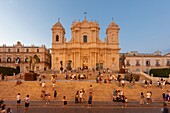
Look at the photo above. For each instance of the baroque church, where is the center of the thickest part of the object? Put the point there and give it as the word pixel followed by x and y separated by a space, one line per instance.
pixel 85 49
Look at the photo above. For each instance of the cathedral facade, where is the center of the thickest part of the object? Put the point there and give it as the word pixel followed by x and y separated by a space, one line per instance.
pixel 85 49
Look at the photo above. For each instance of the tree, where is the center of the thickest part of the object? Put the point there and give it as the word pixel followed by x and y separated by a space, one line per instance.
pixel 32 61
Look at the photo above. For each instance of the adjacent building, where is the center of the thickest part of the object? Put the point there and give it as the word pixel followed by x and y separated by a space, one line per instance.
pixel 16 56
pixel 85 49
pixel 135 61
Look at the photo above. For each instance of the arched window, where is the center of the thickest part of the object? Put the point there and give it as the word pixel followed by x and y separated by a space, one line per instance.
pixel 8 59
pixel 85 39
pixel 26 59
pixel 17 60
pixel 57 38
pixel 17 50
pixel 168 61
pixel 27 50
pixel 8 50
pixel 147 63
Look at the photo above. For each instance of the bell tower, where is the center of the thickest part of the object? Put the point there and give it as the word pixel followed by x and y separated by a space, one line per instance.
pixel 58 39
pixel 58 33
pixel 112 33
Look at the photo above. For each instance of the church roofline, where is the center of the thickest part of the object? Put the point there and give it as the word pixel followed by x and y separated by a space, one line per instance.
pixel 79 23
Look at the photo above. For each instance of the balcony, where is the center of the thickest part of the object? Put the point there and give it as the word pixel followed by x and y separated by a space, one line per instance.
pixel 137 64
pixel 127 64
pixel 167 64
pixel 148 65
pixel 157 65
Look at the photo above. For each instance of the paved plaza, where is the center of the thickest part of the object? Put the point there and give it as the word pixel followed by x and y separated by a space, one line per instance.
pixel 97 107
pixel 102 102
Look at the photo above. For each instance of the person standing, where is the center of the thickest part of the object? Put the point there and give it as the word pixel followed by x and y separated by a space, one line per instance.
pixel 65 101
pixel 81 96
pixel 1 102
pixel 53 86
pixel 26 103
pixel 123 83
pixel 148 97
pixel 90 100
pixel 2 77
pixel 77 97
pixel 43 84
pixel 3 108
pixel 18 100
pixel 165 109
pixel 55 94
pixel 48 99
pixel 142 98
pixel 9 110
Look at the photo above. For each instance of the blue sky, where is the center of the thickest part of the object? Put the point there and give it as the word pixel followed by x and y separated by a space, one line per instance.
pixel 144 24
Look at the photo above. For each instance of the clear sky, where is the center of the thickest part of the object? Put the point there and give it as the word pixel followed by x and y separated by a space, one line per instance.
pixel 144 24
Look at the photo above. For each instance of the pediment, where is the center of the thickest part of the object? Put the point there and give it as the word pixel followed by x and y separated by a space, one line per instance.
pixel 18 44
pixel 82 24
pixel 85 24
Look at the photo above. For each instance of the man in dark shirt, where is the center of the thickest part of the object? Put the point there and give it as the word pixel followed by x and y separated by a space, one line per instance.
pixel 164 109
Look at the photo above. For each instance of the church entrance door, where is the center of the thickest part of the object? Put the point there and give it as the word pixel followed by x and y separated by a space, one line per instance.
pixel 69 65
pixel 85 62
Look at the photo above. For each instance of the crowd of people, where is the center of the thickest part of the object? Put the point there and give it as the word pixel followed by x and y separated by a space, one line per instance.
pixel 101 77
pixel 118 96
pixel 76 76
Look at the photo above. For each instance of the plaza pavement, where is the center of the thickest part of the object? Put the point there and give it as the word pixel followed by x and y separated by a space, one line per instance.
pixel 84 104
pixel 97 107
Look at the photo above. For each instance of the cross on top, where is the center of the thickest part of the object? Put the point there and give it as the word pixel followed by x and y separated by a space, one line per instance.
pixel 112 19
pixel 85 14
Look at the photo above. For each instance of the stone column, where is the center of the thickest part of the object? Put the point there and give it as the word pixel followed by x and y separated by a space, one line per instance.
pixel 74 60
pixel 64 60
pixel 95 59
pixel 79 59
pixel 90 61
pixel 105 59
